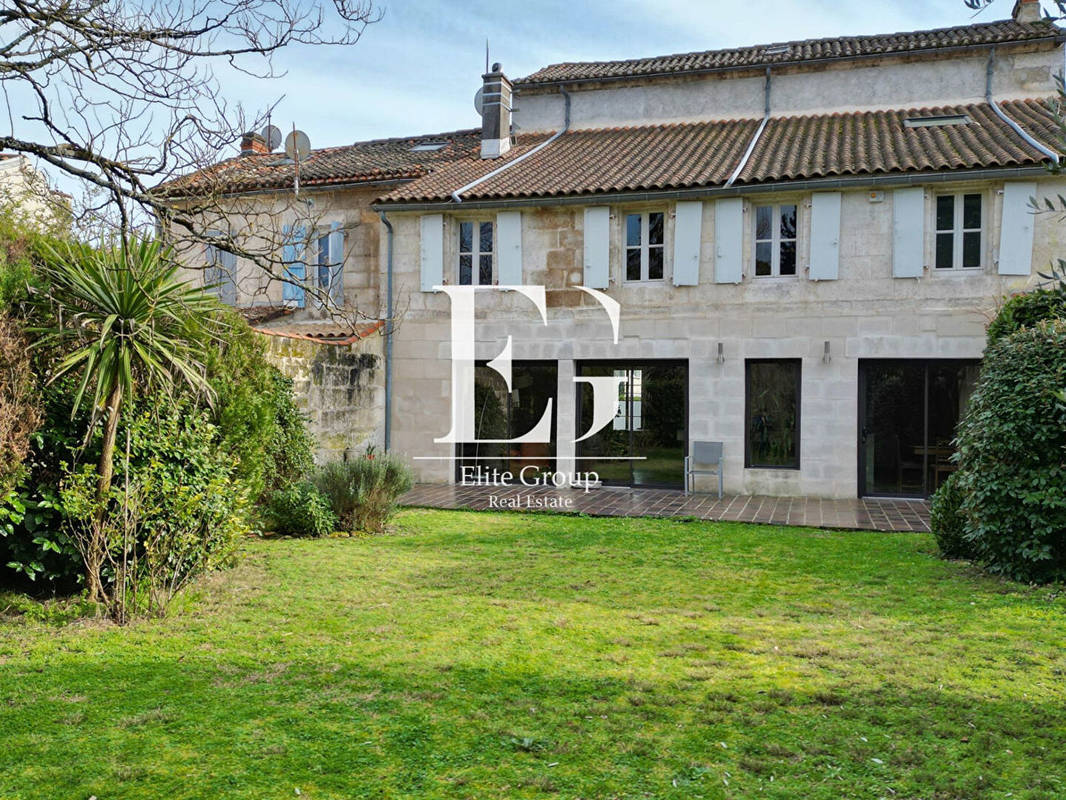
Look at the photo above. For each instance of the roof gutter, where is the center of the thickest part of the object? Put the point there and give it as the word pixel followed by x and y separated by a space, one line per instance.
pixel 699 192
pixel 758 133
pixel 456 195
pixel 989 69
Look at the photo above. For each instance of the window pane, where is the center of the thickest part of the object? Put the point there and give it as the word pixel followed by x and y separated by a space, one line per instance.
pixel 466 237
pixel 971 249
pixel 486 237
pixel 945 244
pixel 971 211
pixel 788 222
pixel 485 272
pixel 762 258
pixel 655 263
pixel 772 413
pixel 764 222
pixel 464 270
pixel 655 228
pixel 788 258
pixel 633 230
pixel 945 212
pixel 633 264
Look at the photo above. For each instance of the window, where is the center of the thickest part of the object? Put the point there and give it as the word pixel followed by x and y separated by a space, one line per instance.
pixel 644 246
pixel 772 413
pixel 775 240
pixel 959 240
pixel 475 254
pixel 220 273
pixel 327 261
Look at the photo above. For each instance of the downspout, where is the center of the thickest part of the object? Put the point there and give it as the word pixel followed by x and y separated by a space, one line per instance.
pixel 456 195
pixel 1003 116
pixel 388 330
pixel 758 133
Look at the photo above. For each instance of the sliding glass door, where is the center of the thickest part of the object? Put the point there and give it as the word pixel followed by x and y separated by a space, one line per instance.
pixel 499 414
pixel 908 411
pixel 645 443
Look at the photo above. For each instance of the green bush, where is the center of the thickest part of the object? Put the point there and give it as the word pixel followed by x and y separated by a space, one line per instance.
pixel 1012 450
pixel 255 411
pixel 947 521
pixel 1026 310
pixel 300 509
pixel 363 492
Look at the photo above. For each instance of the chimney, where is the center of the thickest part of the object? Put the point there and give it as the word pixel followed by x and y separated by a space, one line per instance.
pixel 1026 11
pixel 253 144
pixel 495 114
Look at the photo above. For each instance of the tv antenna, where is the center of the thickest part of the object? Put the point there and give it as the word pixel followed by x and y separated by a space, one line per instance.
pixel 297 148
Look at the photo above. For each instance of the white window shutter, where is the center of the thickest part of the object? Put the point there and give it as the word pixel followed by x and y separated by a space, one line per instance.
pixel 688 224
pixel 597 247
pixel 432 269
pixel 336 266
pixel 1016 232
pixel 729 240
pixel 509 247
pixel 825 236
pixel 908 233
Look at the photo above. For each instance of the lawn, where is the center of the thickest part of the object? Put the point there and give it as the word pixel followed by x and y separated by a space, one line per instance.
pixel 517 655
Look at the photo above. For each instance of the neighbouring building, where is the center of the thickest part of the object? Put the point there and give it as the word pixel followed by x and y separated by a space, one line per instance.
pixel 806 240
pixel 25 193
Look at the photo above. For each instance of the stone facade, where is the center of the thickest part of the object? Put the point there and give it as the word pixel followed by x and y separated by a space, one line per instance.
pixel 341 388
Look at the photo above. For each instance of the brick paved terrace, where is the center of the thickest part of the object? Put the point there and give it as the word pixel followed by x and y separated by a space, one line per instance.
pixel 858 514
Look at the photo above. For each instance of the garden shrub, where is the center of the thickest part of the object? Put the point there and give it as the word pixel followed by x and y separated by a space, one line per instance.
pixel 1026 310
pixel 184 515
pixel 363 492
pixel 300 509
pixel 19 404
pixel 947 521
pixel 255 411
pixel 1012 450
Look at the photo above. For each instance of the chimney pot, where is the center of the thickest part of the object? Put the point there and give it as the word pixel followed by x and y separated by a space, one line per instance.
pixel 253 144
pixel 495 113
pixel 1026 11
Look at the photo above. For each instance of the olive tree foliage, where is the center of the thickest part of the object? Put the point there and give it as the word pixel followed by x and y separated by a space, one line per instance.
pixel 128 96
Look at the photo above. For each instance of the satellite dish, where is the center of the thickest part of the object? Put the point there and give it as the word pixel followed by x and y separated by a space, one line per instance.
pixel 272 135
pixel 297 145
pixel 479 101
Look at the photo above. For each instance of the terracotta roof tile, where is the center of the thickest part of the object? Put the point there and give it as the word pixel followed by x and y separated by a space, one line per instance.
pixel 987 33
pixel 322 331
pixel 375 160
pixel 663 157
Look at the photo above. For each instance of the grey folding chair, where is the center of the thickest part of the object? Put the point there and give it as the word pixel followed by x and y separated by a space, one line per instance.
pixel 707 455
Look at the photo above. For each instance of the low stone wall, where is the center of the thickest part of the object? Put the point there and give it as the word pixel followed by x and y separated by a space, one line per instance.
pixel 341 388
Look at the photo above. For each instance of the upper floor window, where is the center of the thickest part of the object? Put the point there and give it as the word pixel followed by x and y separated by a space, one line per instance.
pixel 959 235
pixel 645 241
pixel 476 247
pixel 775 240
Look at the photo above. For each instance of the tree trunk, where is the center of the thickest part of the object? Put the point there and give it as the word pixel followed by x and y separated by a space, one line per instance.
pixel 105 470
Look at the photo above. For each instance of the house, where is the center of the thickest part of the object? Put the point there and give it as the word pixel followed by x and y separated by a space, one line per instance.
pixel 25 192
pixel 805 240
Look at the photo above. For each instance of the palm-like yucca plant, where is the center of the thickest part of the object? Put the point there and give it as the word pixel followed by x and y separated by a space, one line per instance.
pixel 124 320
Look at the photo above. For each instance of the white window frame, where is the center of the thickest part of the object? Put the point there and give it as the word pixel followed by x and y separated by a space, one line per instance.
pixel 644 246
pixel 475 253
pixel 775 239
pixel 957 230
pixel 320 235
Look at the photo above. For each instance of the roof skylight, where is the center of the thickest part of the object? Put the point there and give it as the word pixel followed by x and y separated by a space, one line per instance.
pixel 937 121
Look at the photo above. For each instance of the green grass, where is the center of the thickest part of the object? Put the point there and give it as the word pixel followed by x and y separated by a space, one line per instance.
pixel 510 655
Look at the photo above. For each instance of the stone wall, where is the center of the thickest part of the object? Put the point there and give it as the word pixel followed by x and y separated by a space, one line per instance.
pixel 340 388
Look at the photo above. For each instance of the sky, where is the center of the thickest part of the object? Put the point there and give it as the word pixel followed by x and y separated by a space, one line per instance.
pixel 417 69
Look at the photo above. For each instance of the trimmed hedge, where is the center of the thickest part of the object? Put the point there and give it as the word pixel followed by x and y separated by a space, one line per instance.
pixel 1012 456
pixel 1025 311
pixel 947 521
